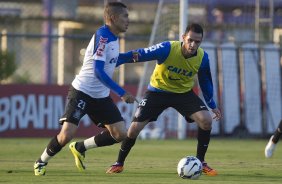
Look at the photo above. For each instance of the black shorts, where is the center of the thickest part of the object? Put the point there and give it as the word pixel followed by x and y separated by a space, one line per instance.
pixel 154 103
pixel 100 110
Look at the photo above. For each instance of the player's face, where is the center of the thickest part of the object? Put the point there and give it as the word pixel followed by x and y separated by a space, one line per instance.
pixel 191 42
pixel 121 21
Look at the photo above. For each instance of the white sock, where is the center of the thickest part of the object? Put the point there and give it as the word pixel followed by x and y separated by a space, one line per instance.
pixel 89 143
pixel 45 157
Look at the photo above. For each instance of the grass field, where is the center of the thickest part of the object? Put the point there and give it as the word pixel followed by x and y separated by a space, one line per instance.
pixel 238 161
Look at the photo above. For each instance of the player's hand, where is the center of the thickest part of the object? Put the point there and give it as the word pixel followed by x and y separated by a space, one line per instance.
pixel 217 113
pixel 128 98
pixel 135 56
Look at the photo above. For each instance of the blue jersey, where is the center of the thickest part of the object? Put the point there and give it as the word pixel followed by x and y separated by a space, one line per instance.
pixel 173 73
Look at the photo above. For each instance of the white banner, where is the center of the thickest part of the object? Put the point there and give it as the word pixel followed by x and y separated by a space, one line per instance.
pixel 230 87
pixel 252 89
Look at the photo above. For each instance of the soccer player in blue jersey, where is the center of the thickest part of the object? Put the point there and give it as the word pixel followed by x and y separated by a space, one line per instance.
pixel 171 86
pixel 89 93
pixel 271 145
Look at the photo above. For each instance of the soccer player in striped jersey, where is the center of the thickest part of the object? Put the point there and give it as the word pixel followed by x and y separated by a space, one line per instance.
pixel 89 93
pixel 271 145
pixel 171 86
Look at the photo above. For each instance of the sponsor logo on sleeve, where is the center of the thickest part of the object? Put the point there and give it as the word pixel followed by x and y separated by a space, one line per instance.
pixel 153 48
pixel 101 46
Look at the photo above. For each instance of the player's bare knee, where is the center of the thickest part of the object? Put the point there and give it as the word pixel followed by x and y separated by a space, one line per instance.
pixel 119 136
pixel 135 128
pixel 205 124
pixel 133 135
pixel 63 139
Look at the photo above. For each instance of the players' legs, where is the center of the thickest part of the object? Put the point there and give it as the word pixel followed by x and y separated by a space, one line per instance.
pixel 194 109
pixel 108 116
pixel 271 145
pixel 67 133
pixel 117 130
pixel 148 110
pixel 135 128
pixel 133 131
pixel 58 142
pixel 277 134
pixel 204 121
pixel 55 145
pixel 151 106
pixel 69 122
pixel 115 133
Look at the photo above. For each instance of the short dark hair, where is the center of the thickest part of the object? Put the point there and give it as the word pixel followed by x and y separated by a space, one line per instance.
pixel 197 28
pixel 113 8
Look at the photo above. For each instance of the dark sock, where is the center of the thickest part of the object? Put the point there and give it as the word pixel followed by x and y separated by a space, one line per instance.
pixel 203 143
pixel 53 147
pixel 39 160
pixel 79 146
pixel 104 139
pixel 277 133
pixel 125 148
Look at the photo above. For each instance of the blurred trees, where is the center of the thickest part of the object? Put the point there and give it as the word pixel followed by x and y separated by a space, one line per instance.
pixel 7 65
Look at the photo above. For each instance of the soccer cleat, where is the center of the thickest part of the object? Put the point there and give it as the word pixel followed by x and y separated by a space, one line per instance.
pixel 115 168
pixel 39 168
pixel 207 170
pixel 269 148
pixel 79 157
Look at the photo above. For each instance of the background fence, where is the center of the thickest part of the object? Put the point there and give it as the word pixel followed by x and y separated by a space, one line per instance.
pixel 242 38
pixel 42 33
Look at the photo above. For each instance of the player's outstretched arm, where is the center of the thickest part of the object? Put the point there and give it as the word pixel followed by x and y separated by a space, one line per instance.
pixel 107 81
pixel 157 52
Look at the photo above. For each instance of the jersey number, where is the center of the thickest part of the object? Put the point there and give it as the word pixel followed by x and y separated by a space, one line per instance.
pixel 81 104
pixel 143 102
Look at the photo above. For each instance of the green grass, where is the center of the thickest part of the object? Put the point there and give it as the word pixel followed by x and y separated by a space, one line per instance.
pixel 238 161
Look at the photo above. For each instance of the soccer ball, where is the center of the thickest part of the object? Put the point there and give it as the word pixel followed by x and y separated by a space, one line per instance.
pixel 189 167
